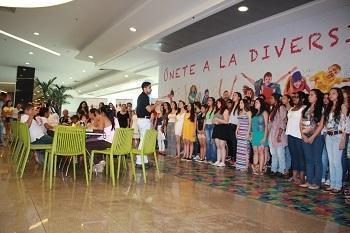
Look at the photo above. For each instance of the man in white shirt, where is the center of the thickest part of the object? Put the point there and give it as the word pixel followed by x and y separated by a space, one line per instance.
pixel 37 135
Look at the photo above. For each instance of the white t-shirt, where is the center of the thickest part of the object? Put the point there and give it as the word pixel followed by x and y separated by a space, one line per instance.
pixel 44 121
pixel 15 113
pixel 293 128
pixel 35 129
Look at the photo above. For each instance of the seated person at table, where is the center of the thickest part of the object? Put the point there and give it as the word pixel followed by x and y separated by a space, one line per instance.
pixel 75 120
pixel 110 123
pixel 94 121
pixel 37 135
pixel 44 114
pixel 65 118
pixel 83 119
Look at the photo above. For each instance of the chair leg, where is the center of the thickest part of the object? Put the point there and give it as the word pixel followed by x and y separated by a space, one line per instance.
pixel 118 172
pixel 111 161
pixel 86 170
pixel 45 164
pixel 156 161
pixel 74 173
pixel 143 169
pixel 55 166
pixel 24 161
pixel 51 158
pixel 20 157
pixel 133 166
pixel 107 166
pixel 91 164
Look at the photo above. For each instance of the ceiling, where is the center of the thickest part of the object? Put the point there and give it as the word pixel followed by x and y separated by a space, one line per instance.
pixel 122 59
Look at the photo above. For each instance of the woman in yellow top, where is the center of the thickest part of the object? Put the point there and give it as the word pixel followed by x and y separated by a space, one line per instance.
pixel 189 132
pixel 7 112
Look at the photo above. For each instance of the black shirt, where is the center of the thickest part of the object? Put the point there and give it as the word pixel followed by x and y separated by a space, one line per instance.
pixel 142 103
pixel 123 119
pixel 200 121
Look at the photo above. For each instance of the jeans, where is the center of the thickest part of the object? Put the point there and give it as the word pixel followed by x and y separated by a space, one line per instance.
pixel 334 158
pixel 313 157
pixel 325 168
pixel 46 139
pixel 1 131
pixel 278 162
pixel 346 161
pixel 211 148
pixel 297 154
pixel 287 158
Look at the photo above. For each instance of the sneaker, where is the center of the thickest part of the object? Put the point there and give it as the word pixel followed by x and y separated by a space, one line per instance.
pixel 221 164
pixel 313 187
pixel 196 158
pixel 216 163
pixel 323 180
pixel 305 185
pixel 211 162
pixel 328 182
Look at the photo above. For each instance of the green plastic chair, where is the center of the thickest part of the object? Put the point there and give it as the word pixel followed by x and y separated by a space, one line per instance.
pixel 148 147
pixel 27 147
pixel 121 146
pixel 15 137
pixel 67 141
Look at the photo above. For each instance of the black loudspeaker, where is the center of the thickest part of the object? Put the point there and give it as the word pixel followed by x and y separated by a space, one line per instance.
pixel 24 84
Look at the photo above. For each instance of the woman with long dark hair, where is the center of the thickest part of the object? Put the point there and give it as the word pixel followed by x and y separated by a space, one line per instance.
pixel 170 130
pixel 243 135
pixel 189 132
pixel 220 131
pixel 294 138
pixel 311 125
pixel 259 135
pixel 180 117
pixel 277 136
pixel 211 148
pixel 346 152
pixel 201 133
pixel 83 107
pixel 335 124
pixel 109 123
pixel 232 124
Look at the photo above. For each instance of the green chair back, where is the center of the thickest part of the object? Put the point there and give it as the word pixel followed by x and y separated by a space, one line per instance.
pixel 149 142
pixel 24 135
pixel 69 141
pixel 122 141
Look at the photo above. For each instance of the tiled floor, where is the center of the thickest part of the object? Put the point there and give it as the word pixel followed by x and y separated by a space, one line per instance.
pixel 188 197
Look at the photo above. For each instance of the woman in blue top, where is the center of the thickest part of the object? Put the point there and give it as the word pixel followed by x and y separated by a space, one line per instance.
pixel 259 135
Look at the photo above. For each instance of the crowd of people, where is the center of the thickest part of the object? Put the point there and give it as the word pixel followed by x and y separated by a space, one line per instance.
pixel 300 137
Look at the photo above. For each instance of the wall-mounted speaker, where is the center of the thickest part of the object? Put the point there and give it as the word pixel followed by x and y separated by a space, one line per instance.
pixel 24 84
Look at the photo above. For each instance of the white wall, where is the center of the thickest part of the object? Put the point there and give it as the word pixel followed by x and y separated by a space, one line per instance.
pixel 74 103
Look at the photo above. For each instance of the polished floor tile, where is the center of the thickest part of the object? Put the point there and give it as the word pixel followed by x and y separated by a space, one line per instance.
pixel 187 197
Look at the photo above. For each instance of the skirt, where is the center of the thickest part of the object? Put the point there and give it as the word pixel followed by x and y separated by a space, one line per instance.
pixel 171 139
pixel 221 132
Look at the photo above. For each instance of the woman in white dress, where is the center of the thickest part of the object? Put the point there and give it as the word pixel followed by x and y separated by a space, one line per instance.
pixel 180 116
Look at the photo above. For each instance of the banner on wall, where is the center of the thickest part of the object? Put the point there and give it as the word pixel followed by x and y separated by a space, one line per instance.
pixel 313 52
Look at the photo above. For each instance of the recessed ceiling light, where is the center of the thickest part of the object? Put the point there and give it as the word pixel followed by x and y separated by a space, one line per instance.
pixel 132 29
pixel 62 82
pixel 31 4
pixel 31 53
pixel 36 33
pixel 126 76
pixel 242 8
pixel 96 85
pixel 38 91
pixel 27 63
pixel 79 90
pixel 91 57
pixel 84 71
pixel 30 43
pixel 70 77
